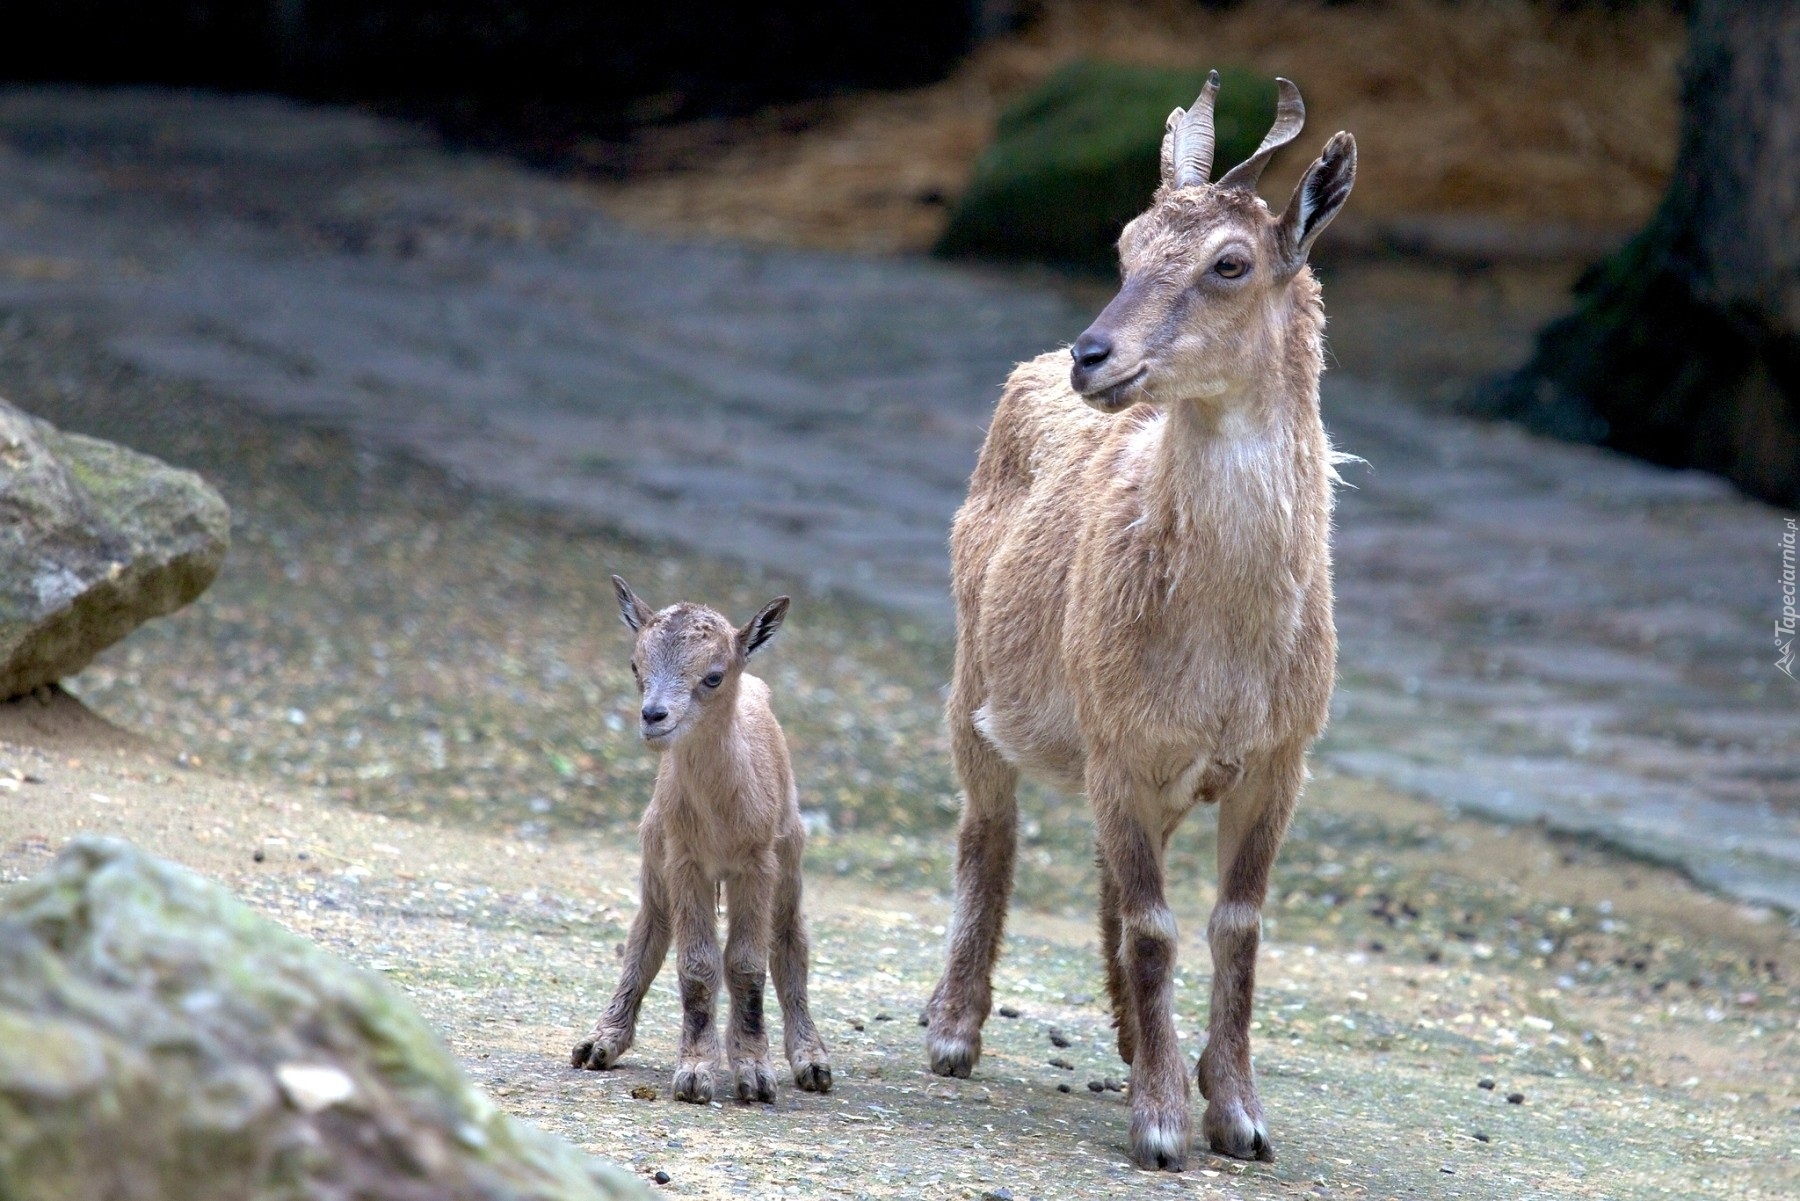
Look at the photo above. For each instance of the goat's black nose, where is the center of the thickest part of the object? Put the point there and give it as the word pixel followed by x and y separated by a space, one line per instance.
pixel 653 714
pixel 1091 349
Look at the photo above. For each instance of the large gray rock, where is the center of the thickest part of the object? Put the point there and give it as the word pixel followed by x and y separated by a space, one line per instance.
pixel 161 1042
pixel 95 540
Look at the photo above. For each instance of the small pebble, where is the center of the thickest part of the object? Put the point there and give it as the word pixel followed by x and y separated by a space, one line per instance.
pixel 1095 1086
pixel 1481 1137
pixel 924 1018
pixel 1515 1098
pixel 1063 1088
pixel 1007 1011
pixel 1446 1169
pixel 1484 1082
pixel 258 855
pixel 998 1194
pixel 856 1024
pixel 661 1177
pixel 643 1092
pixel 884 1016
pixel 1058 1038
pixel 1114 1085
pixel 1064 1064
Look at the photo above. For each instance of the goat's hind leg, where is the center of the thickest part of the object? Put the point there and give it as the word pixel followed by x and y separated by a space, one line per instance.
pixel 645 948
pixel 789 948
pixel 986 841
pixel 1253 819
pixel 1118 987
pixel 750 897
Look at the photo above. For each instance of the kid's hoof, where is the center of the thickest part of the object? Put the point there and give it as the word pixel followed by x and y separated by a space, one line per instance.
pixel 755 1080
pixel 694 1082
pixel 1231 1131
pixel 813 1075
pixel 597 1052
pixel 1159 1141
pixel 952 1056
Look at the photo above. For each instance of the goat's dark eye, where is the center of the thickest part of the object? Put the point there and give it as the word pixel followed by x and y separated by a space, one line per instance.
pixel 1230 267
pixel 714 679
pixel 634 670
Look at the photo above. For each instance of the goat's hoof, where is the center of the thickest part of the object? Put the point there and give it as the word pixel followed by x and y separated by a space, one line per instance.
pixel 755 1080
pixel 599 1051
pixel 813 1075
pixel 694 1083
pixel 952 1056
pixel 1159 1139
pixel 1237 1131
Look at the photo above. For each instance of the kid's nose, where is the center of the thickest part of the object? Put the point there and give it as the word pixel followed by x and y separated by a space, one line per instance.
pixel 653 714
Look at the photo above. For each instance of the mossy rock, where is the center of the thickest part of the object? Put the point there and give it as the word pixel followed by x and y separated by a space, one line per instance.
pixel 95 540
pixel 159 1041
pixel 1077 158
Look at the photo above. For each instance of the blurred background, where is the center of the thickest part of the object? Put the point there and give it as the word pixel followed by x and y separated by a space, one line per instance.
pixel 741 281
pixel 464 306
pixel 732 287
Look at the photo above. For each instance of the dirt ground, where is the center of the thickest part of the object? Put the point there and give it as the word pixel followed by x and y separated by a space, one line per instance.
pixel 1674 1080
pixel 395 724
pixel 1504 111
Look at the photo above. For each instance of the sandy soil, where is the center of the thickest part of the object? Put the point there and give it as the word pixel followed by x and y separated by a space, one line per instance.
pixel 398 698
pixel 1643 1083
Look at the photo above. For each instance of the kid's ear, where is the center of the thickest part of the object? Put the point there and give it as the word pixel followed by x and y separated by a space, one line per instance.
pixel 762 627
pixel 1322 192
pixel 632 611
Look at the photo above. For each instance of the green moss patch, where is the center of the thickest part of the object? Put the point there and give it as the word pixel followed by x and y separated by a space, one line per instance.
pixel 1076 159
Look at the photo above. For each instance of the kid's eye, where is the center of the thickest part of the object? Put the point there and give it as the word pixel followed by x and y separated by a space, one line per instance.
pixel 714 679
pixel 634 670
pixel 1230 267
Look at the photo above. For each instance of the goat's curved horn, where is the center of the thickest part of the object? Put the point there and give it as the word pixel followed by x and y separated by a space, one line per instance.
pixel 1290 115
pixel 1189 140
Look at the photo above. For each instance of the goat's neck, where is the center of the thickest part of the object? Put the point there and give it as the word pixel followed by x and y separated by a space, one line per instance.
pixel 707 753
pixel 1218 465
pixel 1224 488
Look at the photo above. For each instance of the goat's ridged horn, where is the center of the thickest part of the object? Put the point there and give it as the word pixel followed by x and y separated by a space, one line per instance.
pixel 1290 115
pixel 1193 148
pixel 1168 145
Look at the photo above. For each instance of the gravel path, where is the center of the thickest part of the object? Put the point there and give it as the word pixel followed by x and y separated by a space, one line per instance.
pixel 1529 630
pixel 1387 1071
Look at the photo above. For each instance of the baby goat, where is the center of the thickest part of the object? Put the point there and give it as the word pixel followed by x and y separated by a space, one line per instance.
pixel 724 810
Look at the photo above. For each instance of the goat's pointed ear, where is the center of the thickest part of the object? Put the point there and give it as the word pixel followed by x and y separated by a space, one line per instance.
pixel 762 627
pixel 632 611
pixel 1322 192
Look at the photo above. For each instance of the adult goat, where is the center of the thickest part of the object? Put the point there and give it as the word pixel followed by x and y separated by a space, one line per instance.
pixel 1142 574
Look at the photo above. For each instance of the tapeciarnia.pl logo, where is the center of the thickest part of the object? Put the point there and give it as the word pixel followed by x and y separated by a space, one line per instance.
pixel 1785 623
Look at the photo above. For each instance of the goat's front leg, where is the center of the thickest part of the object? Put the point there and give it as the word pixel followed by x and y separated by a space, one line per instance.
pixel 1253 819
pixel 697 964
pixel 749 896
pixel 645 948
pixel 986 841
pixel 1132 849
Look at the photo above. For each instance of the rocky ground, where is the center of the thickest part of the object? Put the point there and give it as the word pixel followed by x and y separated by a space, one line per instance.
pixel 1529 629
pixel 396 724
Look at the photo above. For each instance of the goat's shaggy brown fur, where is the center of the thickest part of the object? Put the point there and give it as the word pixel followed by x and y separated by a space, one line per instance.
pixel 1142 574
pixel 724 811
